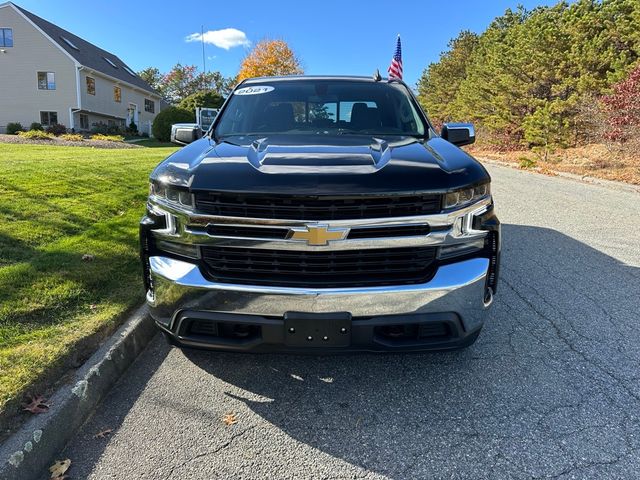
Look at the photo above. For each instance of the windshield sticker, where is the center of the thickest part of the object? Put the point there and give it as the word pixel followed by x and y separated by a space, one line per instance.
pixel 254 90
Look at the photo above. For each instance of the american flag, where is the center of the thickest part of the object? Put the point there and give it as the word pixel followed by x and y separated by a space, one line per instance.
pixel 395 69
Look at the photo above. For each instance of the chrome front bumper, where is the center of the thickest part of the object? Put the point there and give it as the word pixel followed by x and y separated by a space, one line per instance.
pixel 180 297
pixel 457 288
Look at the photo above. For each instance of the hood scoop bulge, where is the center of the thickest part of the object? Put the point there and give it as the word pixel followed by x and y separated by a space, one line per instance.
pixel 320 159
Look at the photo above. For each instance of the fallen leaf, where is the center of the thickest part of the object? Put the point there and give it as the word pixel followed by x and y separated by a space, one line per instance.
pixel 38 404
pixel 103 433
pixel 230 419
pixel 88 258
pixel 59 468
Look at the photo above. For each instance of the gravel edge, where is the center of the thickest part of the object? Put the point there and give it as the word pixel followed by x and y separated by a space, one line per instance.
pixel 29 452
pixel 629 187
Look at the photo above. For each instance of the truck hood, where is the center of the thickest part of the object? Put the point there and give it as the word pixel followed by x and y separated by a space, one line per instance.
pixel 343 165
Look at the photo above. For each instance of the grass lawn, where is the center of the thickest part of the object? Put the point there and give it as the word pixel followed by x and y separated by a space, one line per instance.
pixel 152 143
pixel 56 205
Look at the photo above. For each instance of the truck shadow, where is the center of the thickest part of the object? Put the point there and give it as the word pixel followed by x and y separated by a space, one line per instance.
pixel 546 389
pixel 532 381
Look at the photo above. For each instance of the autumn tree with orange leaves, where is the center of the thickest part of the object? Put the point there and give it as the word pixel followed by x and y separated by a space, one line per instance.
pixel 270 58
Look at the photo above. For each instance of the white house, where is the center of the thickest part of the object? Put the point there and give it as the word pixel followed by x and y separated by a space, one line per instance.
pixel 49 75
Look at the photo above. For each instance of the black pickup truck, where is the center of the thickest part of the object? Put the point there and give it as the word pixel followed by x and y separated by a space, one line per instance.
pixel 321 214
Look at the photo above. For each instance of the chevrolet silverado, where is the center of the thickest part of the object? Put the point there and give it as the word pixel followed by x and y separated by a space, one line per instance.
pixel 321 214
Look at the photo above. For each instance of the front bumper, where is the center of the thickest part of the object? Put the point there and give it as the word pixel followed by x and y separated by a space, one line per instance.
pixel 446 312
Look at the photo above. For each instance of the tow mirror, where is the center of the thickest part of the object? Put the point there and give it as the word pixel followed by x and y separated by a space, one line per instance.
pixel 459 133
pixel 185 133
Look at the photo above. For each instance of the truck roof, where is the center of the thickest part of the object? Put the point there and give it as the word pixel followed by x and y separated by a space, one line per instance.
pixel 354 78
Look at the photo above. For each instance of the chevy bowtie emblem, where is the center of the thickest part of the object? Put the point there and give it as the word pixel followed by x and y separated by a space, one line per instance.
pixel 318 234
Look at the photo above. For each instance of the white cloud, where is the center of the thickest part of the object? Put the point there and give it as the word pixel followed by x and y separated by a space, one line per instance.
pixel 226 38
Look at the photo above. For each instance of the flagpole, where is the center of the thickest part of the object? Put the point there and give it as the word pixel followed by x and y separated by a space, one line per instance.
pixel 204 62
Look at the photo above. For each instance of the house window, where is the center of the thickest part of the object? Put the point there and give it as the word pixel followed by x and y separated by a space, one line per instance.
pixel 49 118
pixel 91 86
pixel 46 81
pixel 84 121
pixel 6 37
pixel 149 106
pixel 117 94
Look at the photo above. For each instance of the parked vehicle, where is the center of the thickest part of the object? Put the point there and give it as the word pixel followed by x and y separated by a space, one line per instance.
pixel 184 133
pixel 321 214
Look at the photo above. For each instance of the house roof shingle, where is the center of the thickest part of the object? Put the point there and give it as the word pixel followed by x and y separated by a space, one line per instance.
pixel 87 54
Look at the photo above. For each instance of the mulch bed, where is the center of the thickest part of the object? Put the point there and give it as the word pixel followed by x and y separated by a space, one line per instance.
pixel 595 160
pixel 58 142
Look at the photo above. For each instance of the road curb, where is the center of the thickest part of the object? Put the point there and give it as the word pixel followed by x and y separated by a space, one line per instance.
pixel 30 451
pixel 629 187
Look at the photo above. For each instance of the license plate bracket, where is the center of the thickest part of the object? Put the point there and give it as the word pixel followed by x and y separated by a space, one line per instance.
pixel 317 330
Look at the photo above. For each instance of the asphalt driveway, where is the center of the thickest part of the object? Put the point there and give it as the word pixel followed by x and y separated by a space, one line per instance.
pixel 551 388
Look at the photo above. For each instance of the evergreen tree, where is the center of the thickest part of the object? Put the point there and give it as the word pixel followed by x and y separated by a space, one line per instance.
pixel 527 78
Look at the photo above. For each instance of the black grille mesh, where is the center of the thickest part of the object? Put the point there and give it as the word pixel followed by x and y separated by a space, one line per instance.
pixel 343 268
pixel 315 208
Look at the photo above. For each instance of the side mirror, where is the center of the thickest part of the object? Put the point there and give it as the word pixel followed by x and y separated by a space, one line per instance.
pixel 185 133
pixel 459 133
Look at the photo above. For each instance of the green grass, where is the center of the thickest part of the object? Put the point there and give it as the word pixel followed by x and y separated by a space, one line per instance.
pixel 152 143
pixel 57 204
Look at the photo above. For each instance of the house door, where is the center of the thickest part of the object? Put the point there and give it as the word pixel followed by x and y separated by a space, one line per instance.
pixel 132 114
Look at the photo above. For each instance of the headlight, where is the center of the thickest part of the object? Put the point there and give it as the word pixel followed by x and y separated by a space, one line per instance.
pixel 176 196
pixel 466 196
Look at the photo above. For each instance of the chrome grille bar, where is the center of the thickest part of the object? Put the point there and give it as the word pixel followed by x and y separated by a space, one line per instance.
pixel 446 228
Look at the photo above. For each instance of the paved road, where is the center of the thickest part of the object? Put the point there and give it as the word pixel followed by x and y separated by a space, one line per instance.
pixel 551 388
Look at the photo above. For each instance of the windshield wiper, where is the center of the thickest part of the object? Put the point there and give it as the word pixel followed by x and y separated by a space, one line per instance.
pixel 346 131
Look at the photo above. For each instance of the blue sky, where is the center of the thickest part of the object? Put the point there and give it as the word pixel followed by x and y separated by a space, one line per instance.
pixel 330 36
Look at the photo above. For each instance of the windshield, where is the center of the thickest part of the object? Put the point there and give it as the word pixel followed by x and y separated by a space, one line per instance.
pixel 330 107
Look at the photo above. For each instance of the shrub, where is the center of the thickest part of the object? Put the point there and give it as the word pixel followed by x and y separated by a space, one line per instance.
pixel 100 128
pixel 56 129
pixel 622 112
pixel 36 126
pixel 132 129
pixel 72 137
pixel 162 124
pixel 107 138
pixel 526 162
pixel 36 135
pixel 14 127
pixel 104 129
pixel 204 98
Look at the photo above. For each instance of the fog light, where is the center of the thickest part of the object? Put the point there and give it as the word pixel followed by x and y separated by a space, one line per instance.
pixel 460 249
pixel 182 249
